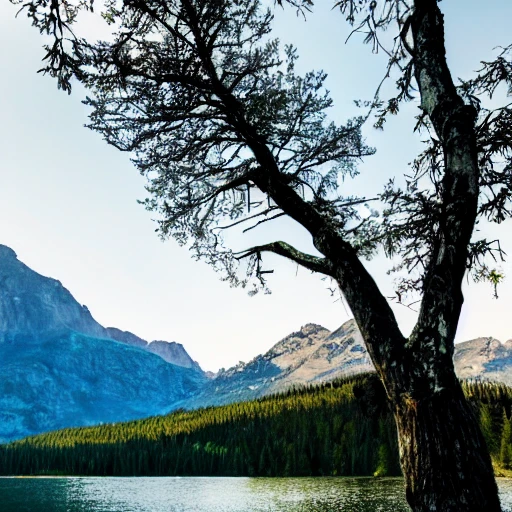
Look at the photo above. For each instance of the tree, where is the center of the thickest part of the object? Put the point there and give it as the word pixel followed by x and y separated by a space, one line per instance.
pixel 227 133
pixel 488 428
pixel 506 439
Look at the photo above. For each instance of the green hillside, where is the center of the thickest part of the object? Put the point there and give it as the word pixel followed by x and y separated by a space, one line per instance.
pixel 341 428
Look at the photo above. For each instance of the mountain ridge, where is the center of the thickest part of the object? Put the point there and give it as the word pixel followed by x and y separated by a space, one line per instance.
pixel 73 379
pixel 314 354
pixel 59 367
pixel 33 305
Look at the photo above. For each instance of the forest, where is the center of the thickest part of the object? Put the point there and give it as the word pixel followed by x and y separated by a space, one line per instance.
pixel 342 428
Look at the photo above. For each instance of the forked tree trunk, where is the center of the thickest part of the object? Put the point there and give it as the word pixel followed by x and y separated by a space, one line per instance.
pixel 443 455
pixel 444 458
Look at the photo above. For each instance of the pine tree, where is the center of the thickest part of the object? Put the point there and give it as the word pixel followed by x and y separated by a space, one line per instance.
pixel 506 443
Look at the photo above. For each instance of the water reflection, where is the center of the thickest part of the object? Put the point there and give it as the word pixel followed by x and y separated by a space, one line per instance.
pixel 332 494
pixel 238 494
pixel 209 495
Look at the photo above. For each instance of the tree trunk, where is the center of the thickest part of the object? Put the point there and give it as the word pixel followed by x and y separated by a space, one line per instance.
pixel 444 458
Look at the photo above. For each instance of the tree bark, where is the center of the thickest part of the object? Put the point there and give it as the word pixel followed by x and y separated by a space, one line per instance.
pixel 443 455
pixel 444 458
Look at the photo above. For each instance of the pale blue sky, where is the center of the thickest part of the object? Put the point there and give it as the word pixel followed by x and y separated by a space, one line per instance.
pixel 68 201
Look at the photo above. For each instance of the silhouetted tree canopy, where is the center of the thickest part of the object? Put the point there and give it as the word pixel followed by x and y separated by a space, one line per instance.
pixel 192 89
pixel 228 135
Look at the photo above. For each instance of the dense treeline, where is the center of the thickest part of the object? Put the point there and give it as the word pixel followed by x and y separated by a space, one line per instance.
pixel 340 428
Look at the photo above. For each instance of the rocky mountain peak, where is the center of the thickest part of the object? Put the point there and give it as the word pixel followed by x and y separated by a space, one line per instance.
pixel 484 357
pixel 7 253
pixel 172 352
pixel 126 337
pixel 307 336
pixel 311 328
pixel 33 306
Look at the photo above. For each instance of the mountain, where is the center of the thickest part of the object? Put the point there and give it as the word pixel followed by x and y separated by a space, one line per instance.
pixel 59 367
pixel 169 351
pixel 314 354
pixel 311 355
pixel 484 358
pixel 74 379
pixel 32 305
pixel 125 337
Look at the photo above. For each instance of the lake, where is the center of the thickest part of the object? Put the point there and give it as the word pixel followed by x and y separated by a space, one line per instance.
pixel 209 494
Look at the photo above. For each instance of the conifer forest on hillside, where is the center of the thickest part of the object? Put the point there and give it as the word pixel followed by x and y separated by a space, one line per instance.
pixel 339 428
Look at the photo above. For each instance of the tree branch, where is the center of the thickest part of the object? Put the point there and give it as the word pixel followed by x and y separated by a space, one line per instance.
pixel 454 123
pixel 246 219
pixel 313 263
pixel 276 216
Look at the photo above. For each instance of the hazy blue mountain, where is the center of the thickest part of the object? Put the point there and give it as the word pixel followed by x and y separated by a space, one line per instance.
pixel 32 305
pixel 73 379
pixel 169 351
pixel 126 337
pixel 59 367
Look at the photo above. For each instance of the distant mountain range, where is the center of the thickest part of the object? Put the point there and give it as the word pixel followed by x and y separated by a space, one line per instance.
pixel 32 305
pixel 169 351
pixel 315 354
pixel 484 358
pixel 312 355
pixel 59 367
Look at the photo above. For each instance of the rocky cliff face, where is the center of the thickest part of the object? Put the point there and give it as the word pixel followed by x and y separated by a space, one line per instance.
pixel 173 352
pixel 59 367
pixel 484 358
pixel 32 306
pixel 311 355
pixel 169 351
pixel 126 337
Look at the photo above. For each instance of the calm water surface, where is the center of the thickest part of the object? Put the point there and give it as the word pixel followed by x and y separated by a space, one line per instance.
pixel 209 495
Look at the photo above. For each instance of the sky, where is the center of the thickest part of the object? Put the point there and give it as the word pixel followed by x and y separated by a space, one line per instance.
pixel 68 201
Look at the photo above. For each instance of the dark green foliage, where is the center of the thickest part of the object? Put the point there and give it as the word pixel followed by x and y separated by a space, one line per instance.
pixel 340 428
pixel 493 405
pixel 505 445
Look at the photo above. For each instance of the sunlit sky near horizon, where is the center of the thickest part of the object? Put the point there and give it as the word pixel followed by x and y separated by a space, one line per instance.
pixel 68 201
